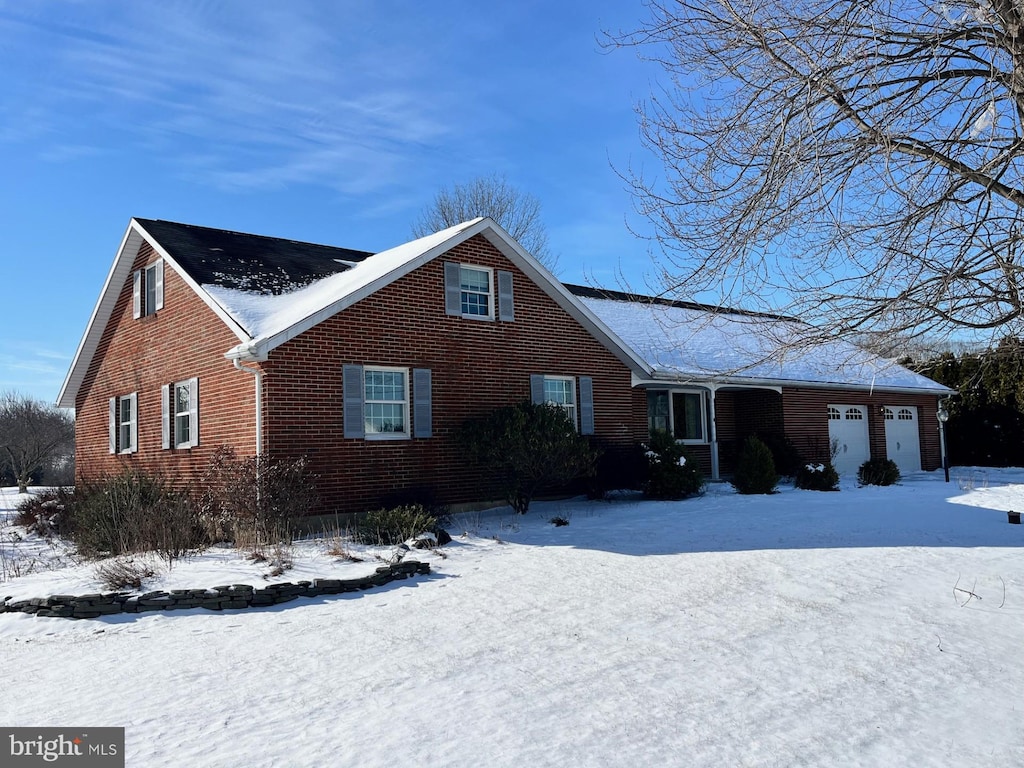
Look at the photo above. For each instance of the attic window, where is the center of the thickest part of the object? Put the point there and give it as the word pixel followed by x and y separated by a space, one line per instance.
pixel 148 290
pixel 476 292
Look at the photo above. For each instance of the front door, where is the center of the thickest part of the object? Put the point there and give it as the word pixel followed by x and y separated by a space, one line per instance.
pixel 848 436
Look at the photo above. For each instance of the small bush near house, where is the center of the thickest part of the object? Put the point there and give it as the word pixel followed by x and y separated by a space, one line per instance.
pixel 619 467
pixel 785 454
pixel 124 572
pixel 45 513
pixel 755 468
pixel 529 448
pixel 878 472
pixel 254 501
pixel 671 472
pixel 821 476
pixel 134 512
pixel 393 526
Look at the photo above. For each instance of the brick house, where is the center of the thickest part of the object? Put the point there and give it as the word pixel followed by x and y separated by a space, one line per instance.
pixel 368 364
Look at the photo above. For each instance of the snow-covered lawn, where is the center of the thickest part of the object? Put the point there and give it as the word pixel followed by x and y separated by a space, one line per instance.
pixel 820 629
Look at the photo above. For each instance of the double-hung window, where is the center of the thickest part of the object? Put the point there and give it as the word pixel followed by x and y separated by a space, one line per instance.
pixel 476 292
pixel 386 402
pixel 680 413
pixel 124 424
pixel 561 391
pixel 180 408
pixel 148 289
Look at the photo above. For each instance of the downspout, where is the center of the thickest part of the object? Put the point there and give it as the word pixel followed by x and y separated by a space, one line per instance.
pixel 259 402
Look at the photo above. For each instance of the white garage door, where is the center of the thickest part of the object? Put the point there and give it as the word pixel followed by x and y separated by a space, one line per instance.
pixel 902 440
pixel 848 434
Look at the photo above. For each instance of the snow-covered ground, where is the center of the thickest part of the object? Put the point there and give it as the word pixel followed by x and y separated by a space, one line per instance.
pixel 870 627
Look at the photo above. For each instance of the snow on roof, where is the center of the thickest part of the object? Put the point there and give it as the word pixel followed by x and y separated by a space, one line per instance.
pixel 693 344
pixel 266 315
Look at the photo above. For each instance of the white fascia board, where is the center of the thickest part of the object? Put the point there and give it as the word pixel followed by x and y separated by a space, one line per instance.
pixel 216 308
pixel 101 313
pixel 663 379
pixel 553 287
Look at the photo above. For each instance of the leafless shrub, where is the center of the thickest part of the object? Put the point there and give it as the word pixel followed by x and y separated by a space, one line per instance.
pixel 121 573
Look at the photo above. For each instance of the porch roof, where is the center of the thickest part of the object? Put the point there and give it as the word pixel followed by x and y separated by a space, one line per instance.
pixel 696 344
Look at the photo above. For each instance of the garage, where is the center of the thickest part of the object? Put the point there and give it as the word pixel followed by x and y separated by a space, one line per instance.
pixel 902 438
pixel 848 436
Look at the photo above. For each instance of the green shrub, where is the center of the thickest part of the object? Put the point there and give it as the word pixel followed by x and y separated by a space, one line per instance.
pixel 817 477
pixel 134 512
pixel 755 468
pixel 45 513
pixel 785 454
pixel 671 472
pixel 528 448
pixel 393 526
pixel 878 472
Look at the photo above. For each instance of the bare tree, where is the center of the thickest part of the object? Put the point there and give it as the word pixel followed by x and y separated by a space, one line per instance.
pixel 517 212
pixel 856 163
pixel 33 437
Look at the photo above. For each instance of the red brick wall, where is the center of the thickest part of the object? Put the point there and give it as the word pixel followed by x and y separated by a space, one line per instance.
pixel 183 340
pixel 476 367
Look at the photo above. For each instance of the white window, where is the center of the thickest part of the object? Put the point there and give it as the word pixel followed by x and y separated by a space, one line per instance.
pixel 148 289
pixel 386 402
pixel 124 424
pixel 180 408
pixel 476 290
pixel 561 391
pixel 678 412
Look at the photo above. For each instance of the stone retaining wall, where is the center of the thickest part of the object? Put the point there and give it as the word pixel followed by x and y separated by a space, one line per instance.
pixel 214 599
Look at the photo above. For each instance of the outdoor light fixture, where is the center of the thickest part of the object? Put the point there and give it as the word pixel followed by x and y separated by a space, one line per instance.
pixel 943 416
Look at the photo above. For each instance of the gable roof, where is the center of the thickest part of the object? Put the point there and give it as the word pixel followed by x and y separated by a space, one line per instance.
pixel 268 290
pixel 697 343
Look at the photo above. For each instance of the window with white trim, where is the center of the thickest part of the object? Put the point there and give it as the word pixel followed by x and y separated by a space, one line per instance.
pixel 180 414
pixel 148 289
pixel 678 412
pixel 476 292
pixel 561 391
pixel 386 402
pixel 124 423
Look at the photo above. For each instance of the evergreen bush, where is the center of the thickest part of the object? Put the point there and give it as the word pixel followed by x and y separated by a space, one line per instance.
pixel 755 469
pixel 817 477
pixel 671 472
pixel 528 448
pixel 878 472
pixel 393 526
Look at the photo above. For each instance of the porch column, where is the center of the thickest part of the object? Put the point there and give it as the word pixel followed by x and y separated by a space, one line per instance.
pixel 714 436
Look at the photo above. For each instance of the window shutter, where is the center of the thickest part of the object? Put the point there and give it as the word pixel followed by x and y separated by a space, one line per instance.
pixel 352 389
pixel 506 308
pixel 137 294
pixel 536 388
pixel 165 416
pixel 134 398
pixel 158 289
pixel 193 412
pixel 452 289
pixel 112 425
pixel 422 407
pixel 586 405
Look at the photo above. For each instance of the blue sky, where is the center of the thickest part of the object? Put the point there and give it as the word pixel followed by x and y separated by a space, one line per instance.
pixel 334 122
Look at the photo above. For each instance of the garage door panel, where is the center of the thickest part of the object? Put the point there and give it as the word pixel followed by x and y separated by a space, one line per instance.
pixel 848 435
pixel 902 437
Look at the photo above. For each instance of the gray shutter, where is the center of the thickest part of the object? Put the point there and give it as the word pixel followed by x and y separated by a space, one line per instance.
pixel 506 308
pixel 137 294
pixel 452 289
pixel 536 388
pixel 112 427
pixel 158 289
pixel 422 407
pixel 352 389
pixel 193 412
pixel 134 398
pixel 586 405
pixel 165 416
